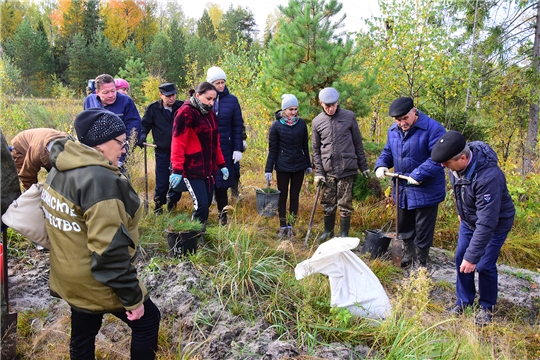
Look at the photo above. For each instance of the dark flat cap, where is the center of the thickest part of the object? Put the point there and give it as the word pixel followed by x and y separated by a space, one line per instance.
pixel 167 89
pixel 401 106
pixel 448 146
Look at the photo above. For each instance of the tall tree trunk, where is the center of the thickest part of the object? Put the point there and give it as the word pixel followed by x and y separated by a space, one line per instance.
pixel 532 131
pixel 471 58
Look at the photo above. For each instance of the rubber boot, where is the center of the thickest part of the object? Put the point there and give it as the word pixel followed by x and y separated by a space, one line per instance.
pixel 409 253
pixel 234 189
pixel 344 226
pixel 329 221
pixel 158 206
pixel 170 205
pixel 422 256
pixel 222 217
pixel 202 240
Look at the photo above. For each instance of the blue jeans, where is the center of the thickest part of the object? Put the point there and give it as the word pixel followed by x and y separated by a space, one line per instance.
pixel 486 268
pixel 144 338
pixel 163 172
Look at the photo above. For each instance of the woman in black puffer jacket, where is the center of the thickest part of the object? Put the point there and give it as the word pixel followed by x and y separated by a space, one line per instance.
pixel 288 154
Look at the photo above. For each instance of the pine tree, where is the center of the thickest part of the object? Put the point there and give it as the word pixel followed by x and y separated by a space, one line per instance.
pixel 106 58
pixel 91 21
pixel 237 23
pixel 308 54
pixel 30 51
pixel 156 58
pixel 205 27
pixel 135 73
pixel 80 67
pixel 176 57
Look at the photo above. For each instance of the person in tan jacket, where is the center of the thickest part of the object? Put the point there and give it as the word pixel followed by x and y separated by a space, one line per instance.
pixel 31 152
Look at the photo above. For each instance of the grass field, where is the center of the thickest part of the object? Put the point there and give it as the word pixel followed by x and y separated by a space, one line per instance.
pixel 255 277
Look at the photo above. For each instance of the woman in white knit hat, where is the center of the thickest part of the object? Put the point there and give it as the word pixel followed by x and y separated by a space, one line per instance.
pixel 288 154
pixel 231 131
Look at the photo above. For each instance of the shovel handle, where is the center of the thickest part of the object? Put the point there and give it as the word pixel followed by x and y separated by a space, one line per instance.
pixel 150 145
pixel 394 175
pixel 319 186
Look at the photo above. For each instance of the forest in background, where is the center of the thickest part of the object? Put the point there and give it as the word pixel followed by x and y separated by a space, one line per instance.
pixel 472 65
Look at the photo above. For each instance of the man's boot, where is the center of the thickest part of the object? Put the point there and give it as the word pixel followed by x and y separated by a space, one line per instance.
pixel 222 217
pixel 170 205
pixel 344 226
pixel 422 256
pixel 329 221
pixel 202 240
pixel 409 253
pixel 158 206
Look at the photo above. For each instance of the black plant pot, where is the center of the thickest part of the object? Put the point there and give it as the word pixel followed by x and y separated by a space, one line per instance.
pixel 183 243
pixel 376 243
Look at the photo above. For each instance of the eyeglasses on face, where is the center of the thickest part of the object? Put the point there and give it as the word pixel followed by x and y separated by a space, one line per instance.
pixel 331 105
pixel 124 144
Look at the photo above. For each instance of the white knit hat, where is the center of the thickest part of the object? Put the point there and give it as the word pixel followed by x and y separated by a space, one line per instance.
pixel 288 100
pixel 215 73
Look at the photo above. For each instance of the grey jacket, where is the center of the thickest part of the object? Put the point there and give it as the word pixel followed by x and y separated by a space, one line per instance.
pixel 337 145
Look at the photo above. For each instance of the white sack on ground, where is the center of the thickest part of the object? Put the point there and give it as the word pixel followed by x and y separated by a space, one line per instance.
pixel 352 283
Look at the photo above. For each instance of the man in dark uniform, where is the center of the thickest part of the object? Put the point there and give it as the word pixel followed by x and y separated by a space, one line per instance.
pixel 158 118
pixel 486 213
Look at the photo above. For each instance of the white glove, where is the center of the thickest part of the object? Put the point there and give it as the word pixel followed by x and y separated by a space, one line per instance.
pixel 244 144
pixel 309 170
pixel 236 156
pixel 366 173
pixel 268 176
pixel 411 181
pixel 380 172
pixel 318 178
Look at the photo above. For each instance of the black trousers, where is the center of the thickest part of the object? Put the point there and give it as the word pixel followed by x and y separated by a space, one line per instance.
pixel 221 198
pixel 418 225
pixel 295 179
pixel 144 338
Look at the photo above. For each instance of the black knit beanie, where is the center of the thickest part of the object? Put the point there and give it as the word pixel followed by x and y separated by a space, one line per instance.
pixel 96 126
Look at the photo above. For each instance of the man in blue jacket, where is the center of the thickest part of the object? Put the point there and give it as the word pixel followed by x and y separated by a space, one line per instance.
pixel 486 213
pixel 108 98
pixel 408 147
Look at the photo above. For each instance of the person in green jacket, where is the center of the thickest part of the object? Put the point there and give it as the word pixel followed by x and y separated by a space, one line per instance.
pixel 92 214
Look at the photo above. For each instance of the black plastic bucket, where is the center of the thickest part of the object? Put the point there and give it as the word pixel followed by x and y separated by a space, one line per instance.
pixel 182 243
pixel 267 202
pixel 376 243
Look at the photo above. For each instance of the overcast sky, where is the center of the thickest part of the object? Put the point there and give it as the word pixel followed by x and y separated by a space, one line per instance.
pixel 356 10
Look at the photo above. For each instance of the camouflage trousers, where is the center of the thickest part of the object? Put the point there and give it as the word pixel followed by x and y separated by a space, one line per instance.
pixel 337 192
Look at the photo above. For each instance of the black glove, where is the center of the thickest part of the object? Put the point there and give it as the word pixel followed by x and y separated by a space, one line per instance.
pixel 141 141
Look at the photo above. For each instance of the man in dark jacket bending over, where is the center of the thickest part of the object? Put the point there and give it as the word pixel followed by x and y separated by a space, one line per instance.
pixel 486 213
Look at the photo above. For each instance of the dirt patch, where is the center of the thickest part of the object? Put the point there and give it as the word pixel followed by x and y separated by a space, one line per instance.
pixel 211 331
